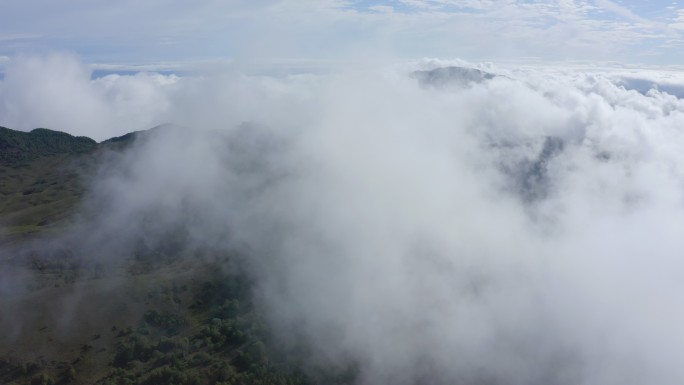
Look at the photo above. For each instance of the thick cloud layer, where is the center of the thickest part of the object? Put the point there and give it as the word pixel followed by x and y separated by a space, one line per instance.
pixel 56 91
pixel 519 229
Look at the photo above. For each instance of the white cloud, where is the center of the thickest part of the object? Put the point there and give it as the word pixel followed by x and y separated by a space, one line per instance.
pixel 382 8
pixel 18 36
pixel 56 91
pixel 271 29
pixel 520 230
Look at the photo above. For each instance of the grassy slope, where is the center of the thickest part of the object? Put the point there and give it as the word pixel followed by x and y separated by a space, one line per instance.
pixel 155 319
pixel 40 176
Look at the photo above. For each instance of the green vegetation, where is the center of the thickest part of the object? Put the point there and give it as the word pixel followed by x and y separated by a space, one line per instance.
pixel 41 176
pixel 155 318
pixel 215 336
pixel 17 146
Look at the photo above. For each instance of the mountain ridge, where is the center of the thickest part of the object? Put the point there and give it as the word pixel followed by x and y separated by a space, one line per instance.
pixel 17 146
pixel 151 315
pixel 42 177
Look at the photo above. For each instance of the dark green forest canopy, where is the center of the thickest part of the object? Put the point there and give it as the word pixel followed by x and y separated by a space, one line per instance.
pixel 16 146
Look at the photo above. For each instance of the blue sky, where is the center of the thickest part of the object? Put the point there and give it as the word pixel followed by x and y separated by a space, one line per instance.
pixel 168 34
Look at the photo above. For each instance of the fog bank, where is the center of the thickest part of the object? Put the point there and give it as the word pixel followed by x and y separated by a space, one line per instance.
pixel 518 228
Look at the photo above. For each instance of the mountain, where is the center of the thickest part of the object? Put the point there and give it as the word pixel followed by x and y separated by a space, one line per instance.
pixel 452 75
pixel 17 146
pixel 42 176
pixel 155 315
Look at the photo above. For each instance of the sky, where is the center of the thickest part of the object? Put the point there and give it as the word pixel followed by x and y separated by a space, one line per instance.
pixel 175 34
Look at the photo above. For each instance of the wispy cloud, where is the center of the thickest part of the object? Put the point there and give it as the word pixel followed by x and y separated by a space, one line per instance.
pixel 18 36
pixel 209 30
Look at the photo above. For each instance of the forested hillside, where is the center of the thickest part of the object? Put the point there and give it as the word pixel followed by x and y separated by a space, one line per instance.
pixel 152 316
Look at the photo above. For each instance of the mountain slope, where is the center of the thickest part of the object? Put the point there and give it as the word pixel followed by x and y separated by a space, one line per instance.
pixel 40 178
pixel 18 146
pixel 152 316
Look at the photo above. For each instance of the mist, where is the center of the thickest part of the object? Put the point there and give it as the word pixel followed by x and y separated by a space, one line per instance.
pixel 518 228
